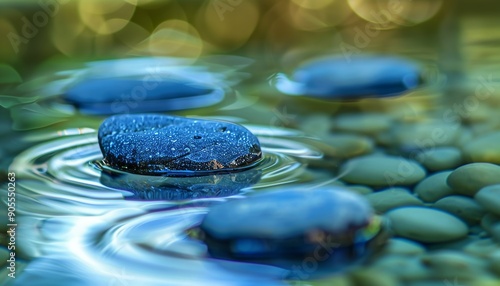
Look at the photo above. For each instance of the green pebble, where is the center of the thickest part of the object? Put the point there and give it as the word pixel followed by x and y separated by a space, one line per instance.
pixel 495 232
pixel 481 248
pixel 433 187
pixel 440 158
pixel 463 207
pixel 426 224
pixel 452 263
pixel 489 198
pixel 392 198
pixel 469 179
pixel 364 123
pixel 362 190
pixel 495 261
pixel 484 148
pixel 346 145
pixel 404 267
pixel 402 246
pixel 424 134
pixel 489 220
pixel 379 171
pixel 372 277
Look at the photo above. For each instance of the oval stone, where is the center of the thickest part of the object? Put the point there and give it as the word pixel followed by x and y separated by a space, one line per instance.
pixel 489 198
pixel 377 170
pixel 385 200
pixel 463 207
pixel 426 224
pixel 440 158
pixel 291 224
pixel 357 77
pixel 434 187
pixel 469 179
pixel 177 146
pixel 484 148
pixel 128 95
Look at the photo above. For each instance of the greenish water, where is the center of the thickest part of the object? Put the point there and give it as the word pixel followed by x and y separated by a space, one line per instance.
pixel 75 230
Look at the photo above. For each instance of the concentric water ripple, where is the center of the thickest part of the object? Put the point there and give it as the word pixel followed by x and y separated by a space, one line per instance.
pixel 119 234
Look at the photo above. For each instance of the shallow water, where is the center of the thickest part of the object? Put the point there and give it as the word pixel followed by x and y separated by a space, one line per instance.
pixel 77 228
pixel 67 215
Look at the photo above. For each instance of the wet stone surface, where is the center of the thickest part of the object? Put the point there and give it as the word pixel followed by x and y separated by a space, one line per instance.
pixel 283 227
pixel 169 145
pixel 124 95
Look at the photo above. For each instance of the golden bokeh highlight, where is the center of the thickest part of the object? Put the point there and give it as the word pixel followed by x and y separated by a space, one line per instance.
pixel 228 26
pixel 105 17
pixel 324 14
pixel 389 14
pixel 173 38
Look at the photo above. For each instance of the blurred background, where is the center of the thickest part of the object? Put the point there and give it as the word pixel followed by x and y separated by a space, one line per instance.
pixel 51 32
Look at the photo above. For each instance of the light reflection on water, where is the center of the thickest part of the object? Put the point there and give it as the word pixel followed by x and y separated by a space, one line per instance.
pixel 81 232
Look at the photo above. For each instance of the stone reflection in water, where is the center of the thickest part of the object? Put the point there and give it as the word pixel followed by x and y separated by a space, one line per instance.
pixel 151 188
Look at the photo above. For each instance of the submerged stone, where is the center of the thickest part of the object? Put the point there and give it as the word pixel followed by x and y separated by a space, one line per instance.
pixel 176 146
pixel 284 227
pixel 129 95
pixel 154 188
pixel 354 77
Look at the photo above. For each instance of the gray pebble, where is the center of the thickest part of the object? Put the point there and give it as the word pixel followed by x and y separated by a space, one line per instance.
pixel 377 170
pixel 434 187
pixel 392 198
pixel 469 179
pixel 489 198
pixel 426 224
pixel 463 207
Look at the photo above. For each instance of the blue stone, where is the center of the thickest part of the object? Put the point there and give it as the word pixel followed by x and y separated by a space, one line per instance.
pixel 354 77
pixel 153 188
pixel 284 227
pixel 100 96
pixel 176 146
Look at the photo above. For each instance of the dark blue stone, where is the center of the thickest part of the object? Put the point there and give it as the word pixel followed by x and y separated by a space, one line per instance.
pixel 357 77
pixel 127 95
pixel 153 188
pixel 176 146
pixel 284 227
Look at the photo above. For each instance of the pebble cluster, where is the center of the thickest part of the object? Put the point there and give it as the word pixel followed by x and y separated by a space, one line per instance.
pixel 436 185
pixel 441 198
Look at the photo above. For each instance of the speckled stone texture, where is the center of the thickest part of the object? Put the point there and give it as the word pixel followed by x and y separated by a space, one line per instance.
pixel 128 95
pixel 177 146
